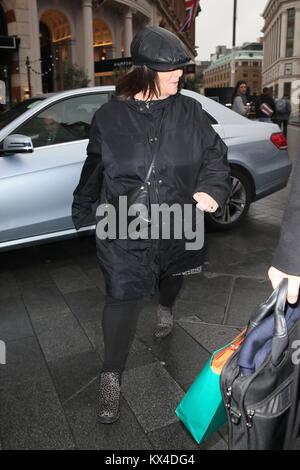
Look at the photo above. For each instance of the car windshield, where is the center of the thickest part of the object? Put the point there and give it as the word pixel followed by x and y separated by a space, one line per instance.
pixel 8 116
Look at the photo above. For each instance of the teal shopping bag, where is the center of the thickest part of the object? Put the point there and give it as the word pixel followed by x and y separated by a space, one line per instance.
pixel 202 410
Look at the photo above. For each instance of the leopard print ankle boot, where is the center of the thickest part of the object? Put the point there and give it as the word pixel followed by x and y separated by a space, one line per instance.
pixel 109 397
pixel 165 322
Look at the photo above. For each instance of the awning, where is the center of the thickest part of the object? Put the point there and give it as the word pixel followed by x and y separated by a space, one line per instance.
pixel 113 64
pixel 10 43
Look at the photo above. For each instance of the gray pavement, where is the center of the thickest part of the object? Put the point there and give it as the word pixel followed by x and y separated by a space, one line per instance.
pixel 51 300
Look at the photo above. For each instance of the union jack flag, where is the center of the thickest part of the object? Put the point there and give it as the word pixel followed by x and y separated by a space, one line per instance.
pixel 191 8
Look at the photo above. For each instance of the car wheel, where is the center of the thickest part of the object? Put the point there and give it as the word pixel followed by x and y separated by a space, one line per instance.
pixel 237 205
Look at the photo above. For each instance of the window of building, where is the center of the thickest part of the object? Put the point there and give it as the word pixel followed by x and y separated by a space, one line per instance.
pixel 287 89
pixel 288 69
pixel 255 64
pixel 290 32
pixel 244 64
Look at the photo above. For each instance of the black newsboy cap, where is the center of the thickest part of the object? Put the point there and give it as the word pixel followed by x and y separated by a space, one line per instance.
pixel 158 49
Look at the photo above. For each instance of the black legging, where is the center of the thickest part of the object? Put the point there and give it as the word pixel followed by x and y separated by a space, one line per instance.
pixel 120 319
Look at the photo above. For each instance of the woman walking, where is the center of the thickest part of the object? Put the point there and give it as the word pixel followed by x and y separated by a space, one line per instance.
pixel 239 99
pixel 147 127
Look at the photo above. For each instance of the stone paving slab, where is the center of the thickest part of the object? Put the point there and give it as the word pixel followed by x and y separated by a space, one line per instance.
pixel 72 374
pixel 70 278
pixel 209 336
pixel 61 336
pixel 32 276
pixel 226 256
pixel 203 311
pixel 86 305
pixel 205 293
pixel 44 301
pixel 14 320
pixel 8 285
pixel 247 295
pixel 25 362
pixel 180 355
pixel 96 278
pixel 31 417
pixel 176 437
pixel 153 402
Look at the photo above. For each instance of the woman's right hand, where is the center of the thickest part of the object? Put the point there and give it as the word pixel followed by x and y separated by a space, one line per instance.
pixel 205 202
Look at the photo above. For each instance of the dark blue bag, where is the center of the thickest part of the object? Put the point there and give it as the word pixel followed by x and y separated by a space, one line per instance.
pixel 258 342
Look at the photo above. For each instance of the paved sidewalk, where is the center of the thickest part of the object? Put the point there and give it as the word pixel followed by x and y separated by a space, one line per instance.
pixel 51 299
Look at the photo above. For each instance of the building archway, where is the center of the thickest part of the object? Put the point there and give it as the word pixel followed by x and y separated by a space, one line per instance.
pixel 103 49
pixel 6 56
pixel 55 43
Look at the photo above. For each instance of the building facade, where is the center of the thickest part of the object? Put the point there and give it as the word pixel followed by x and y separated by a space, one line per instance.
pixel 281 64
pixel 248 67
pixel 39 37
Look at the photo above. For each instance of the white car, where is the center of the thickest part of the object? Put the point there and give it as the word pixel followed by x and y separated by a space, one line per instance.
pixel 43 147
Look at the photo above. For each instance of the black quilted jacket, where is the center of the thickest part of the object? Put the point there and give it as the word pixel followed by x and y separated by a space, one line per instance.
pixel 192 157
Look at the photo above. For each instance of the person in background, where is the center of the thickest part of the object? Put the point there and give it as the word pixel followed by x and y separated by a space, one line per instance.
pixel 286 265
pixel 239 99
pixel 265 106
pixel 283 111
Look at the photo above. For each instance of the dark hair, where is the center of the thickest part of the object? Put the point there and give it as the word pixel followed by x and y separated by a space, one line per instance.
pixel 139 79
pixel 236 89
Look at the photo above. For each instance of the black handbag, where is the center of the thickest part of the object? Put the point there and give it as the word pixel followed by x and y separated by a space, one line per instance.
pixel 258 404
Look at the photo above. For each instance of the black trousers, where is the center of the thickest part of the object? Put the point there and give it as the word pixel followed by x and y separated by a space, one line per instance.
pixel 283 124
pixel 120 319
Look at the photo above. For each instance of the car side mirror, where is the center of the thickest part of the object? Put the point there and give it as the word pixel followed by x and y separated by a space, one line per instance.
pixel 17 143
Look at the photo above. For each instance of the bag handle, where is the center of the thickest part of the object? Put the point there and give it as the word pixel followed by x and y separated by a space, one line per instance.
pixel 267 308
pixel 280 335
pixel 274 304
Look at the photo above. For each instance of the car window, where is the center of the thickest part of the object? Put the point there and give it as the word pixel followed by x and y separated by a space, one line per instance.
pixel 66 121
pixel 8 116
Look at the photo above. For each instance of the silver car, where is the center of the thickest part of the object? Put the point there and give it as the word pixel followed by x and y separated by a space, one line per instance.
pixel 43 148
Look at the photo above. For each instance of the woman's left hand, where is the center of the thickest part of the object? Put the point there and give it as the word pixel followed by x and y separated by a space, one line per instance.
pixel 205 202
pixel 277 276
